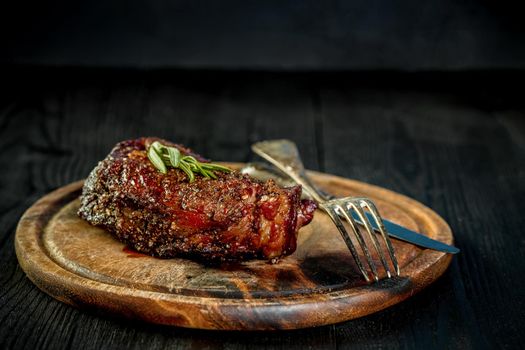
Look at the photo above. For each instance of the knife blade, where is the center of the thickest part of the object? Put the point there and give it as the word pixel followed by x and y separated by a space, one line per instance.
pixel 263 172
pixel 404 234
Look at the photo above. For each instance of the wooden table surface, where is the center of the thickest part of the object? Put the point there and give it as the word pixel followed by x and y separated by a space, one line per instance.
pixel 454 141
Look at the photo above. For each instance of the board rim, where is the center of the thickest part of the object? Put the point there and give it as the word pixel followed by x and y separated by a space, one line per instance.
pixel 222 313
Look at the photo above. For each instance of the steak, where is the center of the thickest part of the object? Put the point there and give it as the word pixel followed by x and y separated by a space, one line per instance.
pixel 231 218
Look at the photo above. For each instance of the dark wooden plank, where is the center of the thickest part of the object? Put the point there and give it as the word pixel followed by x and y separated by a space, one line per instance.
pixel 454 144
pixel 71 129
pixel 452 156
pixel 279 108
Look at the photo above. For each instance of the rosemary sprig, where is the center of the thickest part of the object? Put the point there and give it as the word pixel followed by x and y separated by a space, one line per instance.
pixel 162 157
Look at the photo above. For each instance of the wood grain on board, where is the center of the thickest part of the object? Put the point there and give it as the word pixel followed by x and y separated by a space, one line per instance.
pixel 319 284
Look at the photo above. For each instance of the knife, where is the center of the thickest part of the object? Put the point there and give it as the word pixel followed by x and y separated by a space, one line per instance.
pixel 263 172
pixel 404 234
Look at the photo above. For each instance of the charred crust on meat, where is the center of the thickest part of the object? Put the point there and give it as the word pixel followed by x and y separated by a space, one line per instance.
pixel 233 218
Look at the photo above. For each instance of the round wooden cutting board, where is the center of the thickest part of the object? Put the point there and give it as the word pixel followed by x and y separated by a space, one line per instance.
pixel 319 284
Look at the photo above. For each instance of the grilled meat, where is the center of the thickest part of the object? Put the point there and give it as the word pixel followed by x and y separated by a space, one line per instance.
pixel 231 218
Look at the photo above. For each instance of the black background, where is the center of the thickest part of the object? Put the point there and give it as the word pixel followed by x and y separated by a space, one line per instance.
pixel 267 35
pixel 424 98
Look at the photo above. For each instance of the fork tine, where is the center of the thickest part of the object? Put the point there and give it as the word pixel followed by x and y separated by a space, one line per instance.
pixel 357 232
pixel 342 230
pixel 375 214
pixel 356 205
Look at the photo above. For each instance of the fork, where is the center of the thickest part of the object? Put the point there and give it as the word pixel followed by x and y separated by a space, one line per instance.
pixel 284 155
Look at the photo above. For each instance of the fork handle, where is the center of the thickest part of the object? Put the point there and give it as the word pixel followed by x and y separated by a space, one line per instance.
pixel 285 156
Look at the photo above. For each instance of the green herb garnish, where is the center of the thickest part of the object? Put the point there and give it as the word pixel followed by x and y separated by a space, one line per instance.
pixel 163 157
